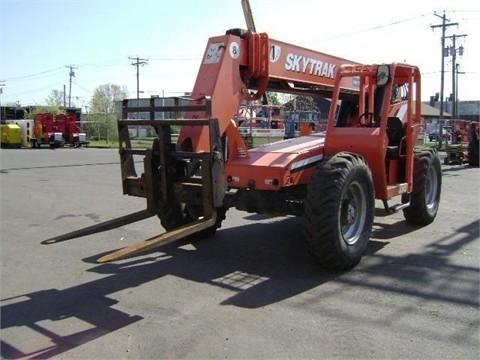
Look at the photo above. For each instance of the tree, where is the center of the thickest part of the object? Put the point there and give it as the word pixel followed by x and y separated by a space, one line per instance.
pixel 301 103
pixel 273 98
pixel 52 109
pixel 102 111
pixel 55 98
pixel 105 96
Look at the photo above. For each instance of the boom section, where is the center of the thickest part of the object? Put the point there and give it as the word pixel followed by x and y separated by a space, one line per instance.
pixel 243 65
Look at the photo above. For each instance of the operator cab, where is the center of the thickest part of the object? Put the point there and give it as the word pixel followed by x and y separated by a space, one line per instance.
pixel 349 113
pixel 373 122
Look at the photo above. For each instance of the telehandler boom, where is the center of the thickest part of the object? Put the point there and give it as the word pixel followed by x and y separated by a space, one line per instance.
pixel 331 178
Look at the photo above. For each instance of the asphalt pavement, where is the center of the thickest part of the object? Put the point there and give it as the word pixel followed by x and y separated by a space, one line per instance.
pixel 251 291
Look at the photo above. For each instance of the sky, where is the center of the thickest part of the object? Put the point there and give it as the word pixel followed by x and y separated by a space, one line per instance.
pixel 40 38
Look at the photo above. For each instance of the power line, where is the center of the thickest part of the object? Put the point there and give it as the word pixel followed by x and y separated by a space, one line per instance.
pixel 465 11
pixel 35 90
pixel 377 27
pixel 106 63
pixel 175 58
pixel 82 87
pixel 26 77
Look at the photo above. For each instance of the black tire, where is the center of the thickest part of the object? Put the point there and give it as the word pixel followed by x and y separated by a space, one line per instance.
pixel 427 186
pixel 473 152
pixel 209 232
pixel 339 209
pixel 173 218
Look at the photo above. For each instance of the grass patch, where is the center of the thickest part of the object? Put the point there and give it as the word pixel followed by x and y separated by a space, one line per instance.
pixel 102 144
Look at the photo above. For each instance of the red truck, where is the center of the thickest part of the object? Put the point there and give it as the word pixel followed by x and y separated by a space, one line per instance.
pixel 56 131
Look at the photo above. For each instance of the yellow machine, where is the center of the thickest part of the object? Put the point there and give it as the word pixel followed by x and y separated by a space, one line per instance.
pixel 11 136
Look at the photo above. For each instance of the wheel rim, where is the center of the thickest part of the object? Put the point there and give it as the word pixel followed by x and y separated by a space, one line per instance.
pixel 353 212
pixel 431 188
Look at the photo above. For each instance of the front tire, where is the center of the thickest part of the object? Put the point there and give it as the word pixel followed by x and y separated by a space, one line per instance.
pixel 427 185
pixel 179 215
pixel 339 210
pixel 473 152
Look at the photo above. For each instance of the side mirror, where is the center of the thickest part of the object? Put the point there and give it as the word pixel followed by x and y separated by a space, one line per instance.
pixel 383 75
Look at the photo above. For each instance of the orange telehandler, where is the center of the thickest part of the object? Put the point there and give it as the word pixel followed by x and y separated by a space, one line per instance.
pixel 331 178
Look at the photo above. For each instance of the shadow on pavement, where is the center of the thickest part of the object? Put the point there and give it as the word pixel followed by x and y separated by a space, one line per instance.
pixel 261 264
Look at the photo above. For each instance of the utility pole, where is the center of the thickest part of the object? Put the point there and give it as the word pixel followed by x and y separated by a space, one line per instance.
pixel 456 85
pixel 71 74
pixel 137 63
pixel 64 96
pixel 453 53
pixel 444 26
pixel 2 84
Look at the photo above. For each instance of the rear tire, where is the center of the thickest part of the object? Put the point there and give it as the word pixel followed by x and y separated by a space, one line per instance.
pixel 339 210
pixel 427 185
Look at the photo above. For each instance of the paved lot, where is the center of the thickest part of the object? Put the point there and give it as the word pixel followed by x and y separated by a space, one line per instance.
pixel 252 291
